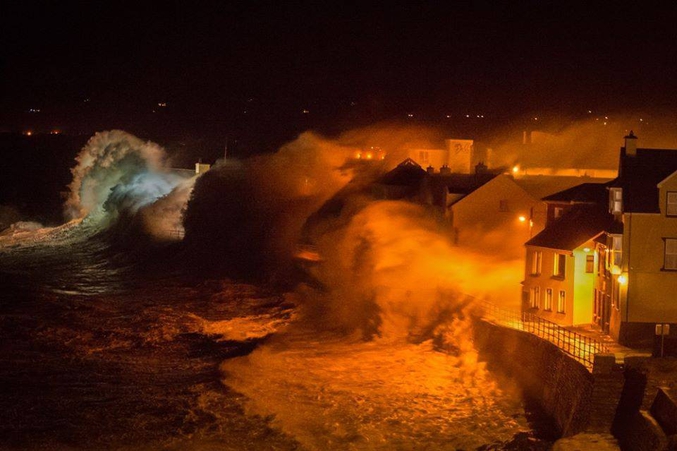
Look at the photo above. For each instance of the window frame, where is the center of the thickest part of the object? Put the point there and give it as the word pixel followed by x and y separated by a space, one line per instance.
pixel 559 268
pixel 668 203
pixel 534 297
pixel 547 302
pixel 667 243
pixel 536 263
pixel 562 302
pixel 616 200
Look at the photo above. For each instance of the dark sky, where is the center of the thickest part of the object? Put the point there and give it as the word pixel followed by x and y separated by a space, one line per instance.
pixel 247 66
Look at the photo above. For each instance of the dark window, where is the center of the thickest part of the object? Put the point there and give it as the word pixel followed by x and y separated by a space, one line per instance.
pixel 589 263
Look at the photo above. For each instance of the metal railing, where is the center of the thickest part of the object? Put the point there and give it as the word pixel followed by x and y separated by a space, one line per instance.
pixel 580 347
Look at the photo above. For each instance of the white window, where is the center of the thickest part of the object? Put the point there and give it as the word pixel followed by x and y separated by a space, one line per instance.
pixel 561 301
pixel 557 212
pixel 536 262
pixel 670 261
pixel 424 156
pixel 534 297
pixel 616 200
pixel 560 264
pixel 548 300
pixel 616 250
pixel 671 209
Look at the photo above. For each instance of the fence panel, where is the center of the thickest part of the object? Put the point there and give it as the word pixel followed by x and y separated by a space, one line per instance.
pixel 580 347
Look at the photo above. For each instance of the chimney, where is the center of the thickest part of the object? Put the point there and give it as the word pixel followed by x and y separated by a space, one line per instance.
pixel 481 168
pixel 446 170
pixel 430 169
pixel 631 144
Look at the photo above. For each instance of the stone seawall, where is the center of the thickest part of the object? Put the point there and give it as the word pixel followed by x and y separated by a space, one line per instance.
pixel 574 398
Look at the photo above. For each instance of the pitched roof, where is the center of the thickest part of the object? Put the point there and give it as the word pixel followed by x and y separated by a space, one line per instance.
pixel 581 223
pixel 639 176
pixel 588 193
pixel 407 173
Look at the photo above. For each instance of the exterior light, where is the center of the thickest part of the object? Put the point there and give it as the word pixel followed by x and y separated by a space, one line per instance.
pixel 586 249
pixel 515 169
pixel 622 280
pixel 522 218
pixel 615 270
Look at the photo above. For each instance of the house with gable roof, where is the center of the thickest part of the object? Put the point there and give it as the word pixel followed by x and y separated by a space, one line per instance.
pixel 640 285
pixel 560 260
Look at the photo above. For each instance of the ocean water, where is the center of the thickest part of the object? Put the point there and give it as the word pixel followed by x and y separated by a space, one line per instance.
pixel 104 351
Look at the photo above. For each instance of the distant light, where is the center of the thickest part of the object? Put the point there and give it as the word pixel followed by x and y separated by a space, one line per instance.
pixel 162 104
pixel 467 115
pixel 369 156
pixel 383 156
pixel 622 279
pixel 410 115
pixel 522 218
pixel 55 132
pixel 641 120
pixel 589 112
pixel 87 100
pixel 535 118
pixel 305 111
pixel 515 169
pixel 448 116
pixel 28 133
pixel 34 110
pixel 359 155
pixel 606 117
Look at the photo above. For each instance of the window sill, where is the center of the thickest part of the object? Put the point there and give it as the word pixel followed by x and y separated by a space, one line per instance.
pixel 561 313
pixel 549 310
pixel 535 274
pixel 557 277
pixel 669 269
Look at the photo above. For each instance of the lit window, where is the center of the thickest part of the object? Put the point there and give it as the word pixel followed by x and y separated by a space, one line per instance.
pixel 559 267
pixel 536 262
pixel 616 201
pixel 670 261
pixel 534 297
pixel 561 301
pixel 424 156
pixel 589 263
pixel 671 209
pixel 548 300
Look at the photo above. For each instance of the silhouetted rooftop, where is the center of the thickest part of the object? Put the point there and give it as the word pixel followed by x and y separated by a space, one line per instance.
pixel 639 176
pixel 581 223
pixel 587 193
pixel 407 173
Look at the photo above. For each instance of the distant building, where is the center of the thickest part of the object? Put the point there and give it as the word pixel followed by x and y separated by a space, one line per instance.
pixel 459 156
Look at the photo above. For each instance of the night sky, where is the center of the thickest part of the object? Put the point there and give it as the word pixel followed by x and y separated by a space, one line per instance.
pixel 250 68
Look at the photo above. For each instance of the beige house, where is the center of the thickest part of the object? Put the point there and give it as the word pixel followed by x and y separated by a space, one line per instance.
pixel 561 262
pixel 638 284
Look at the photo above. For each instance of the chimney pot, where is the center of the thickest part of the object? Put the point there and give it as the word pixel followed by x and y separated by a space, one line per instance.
pixel 631 144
